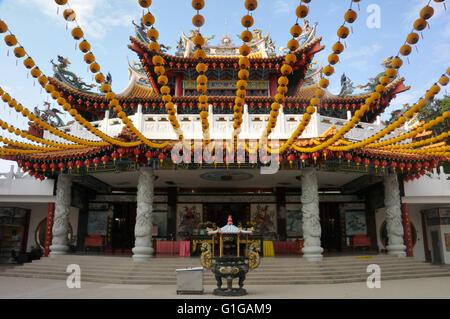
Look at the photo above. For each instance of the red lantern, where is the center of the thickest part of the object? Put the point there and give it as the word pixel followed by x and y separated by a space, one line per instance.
pixel 383 164
pixel 161 157
pixel 121 151
pixel 315 156
pixel 61 166
pixel 348 157
pixel 418 166
pixel 357 160
pixel 393 165
pixel 31 173
pixel 87 163
pixel 402 166
pixel 20 163
pixel 27 165
pixel 96 161
pixel 70 165
pixel 149 156
pixel 366 162
pixel 44 167
pixel 41 178
pixel 426 165
pixel 114 156
pixel 325 153
pixel 137 152
pixel 340 154
pixel 291 159
pixel 408 166
pixel 36 167
pixel 303 158
pixel 376 163
pixel 53 167
pixel 434 162
pixel 105 159
pixel 78 163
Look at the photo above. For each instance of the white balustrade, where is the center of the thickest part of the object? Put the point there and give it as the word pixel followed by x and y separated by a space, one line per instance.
pixel 158 127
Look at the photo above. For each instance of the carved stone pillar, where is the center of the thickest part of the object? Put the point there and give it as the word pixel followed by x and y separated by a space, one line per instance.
pixel 48 228
pixel 393 216
pixel 143 250
pixel 61 220
pixel 407 230
pixel 311 219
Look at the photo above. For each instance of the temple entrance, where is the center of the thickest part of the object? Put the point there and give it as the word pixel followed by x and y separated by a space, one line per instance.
pixel 218 213
pixel 331 227
pixel 122 235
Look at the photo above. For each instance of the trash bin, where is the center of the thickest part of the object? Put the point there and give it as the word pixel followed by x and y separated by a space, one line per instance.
pixel 190 281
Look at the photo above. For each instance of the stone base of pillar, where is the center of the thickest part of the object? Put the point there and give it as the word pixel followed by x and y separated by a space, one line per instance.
pixel 56 250
pixel 397 250
pixel 312 253
pixel 142 253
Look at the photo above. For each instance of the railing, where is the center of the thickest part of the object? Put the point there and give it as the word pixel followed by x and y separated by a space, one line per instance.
pixel 158 127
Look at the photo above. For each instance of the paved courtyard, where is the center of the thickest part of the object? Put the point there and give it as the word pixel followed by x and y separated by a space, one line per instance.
pixel 25 288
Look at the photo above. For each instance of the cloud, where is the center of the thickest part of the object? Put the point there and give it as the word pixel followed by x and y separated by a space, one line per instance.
pixel 360 59
pixel 94 16
pixel 283 6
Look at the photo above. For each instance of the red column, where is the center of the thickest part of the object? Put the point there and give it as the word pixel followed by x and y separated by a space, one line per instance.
pixel 407 237
pixel 178 85
pixel 48 228
pixel 273 85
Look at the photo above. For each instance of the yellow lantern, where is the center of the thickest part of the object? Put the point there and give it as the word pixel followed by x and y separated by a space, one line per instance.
pixel 3 27
pixel 244 50
pixel 105 88
pixel 412 38
pixel 200 54
pixel 328 70
pixel 350 16
pixel 244 63
pixel 28 63
pixel 314 101
pixel 84 46
pixel 405 50
pixel 148 19
pixel 343 32
pixel 435 89
pixel 19 52
pixel 77 33
pixel 319 93
pixel 49 88
pixel 296 30
pixel 199 40
pixel 290 58
pixel 198 20
pixel 420 24
pixel 333 58
pixel 69 15
pixel 42 80
pixel 110 95
pixel 241 93
pixel 89 58
pixel 162 80
pixel 391 73
pixel 154 47
pixel 426 12
pixel 324 83
pixel 338 48
pixel 292 44
pixel 153 34
pixel 203 99
pixel 251 5
pixel 443 80
pixel 246 36
pixel 35 72
pixel 61 2
pixel 145 3
pixel 241 84
pixel 282 80
pixel 380 88
pixel 282 89
pixel 99 78
pixel 198 4
pixel 301 11
pixel 202 79
pixel 243 74
pixel 10 40
pixel 310 110
pixel 397 63
pixel 159 70
pixel 286 69
pixel 158 60
pixel 279 98
pixel 201 88
pixel 94 67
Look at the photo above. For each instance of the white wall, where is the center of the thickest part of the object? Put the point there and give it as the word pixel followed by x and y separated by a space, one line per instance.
pixel 38 213
pixel 415 219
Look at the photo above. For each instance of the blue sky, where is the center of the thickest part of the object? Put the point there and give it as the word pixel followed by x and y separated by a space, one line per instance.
pixel 107 24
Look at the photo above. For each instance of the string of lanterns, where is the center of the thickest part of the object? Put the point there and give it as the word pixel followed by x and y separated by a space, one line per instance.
pixel 49 88
pixel 244 65
pixel 78 34
pixel 148 20
pixel 202 80
pixel 390 74
pixel 342 33
pixel 434 89
pixel 283 81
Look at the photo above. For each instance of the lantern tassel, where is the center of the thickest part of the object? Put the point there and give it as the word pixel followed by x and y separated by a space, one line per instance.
pixel 445 7
pixel 57 10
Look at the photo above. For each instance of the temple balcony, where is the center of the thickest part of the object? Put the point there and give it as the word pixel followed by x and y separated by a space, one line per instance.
pixel 158 127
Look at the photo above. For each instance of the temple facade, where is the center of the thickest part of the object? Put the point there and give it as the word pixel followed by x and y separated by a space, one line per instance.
pixel 127 199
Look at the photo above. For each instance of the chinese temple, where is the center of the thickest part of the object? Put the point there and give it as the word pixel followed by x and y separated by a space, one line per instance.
pixel 142 172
